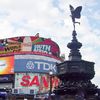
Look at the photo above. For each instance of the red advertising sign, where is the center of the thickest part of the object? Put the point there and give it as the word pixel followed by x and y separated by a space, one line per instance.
pixel 39 82
pixel 26 81
pixel 29 44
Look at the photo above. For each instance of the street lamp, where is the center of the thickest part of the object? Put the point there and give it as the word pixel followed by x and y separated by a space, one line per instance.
pixel 50 91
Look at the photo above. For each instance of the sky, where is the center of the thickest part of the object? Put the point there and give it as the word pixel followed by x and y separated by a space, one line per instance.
pixel 51 19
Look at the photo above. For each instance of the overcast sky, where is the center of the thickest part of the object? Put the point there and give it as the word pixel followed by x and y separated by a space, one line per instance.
pixel 51 18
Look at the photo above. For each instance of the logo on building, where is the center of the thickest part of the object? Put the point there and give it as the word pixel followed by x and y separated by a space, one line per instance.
pixel 30 65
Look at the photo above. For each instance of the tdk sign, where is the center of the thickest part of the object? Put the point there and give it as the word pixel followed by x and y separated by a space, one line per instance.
pixel 41 66
pixel 35 63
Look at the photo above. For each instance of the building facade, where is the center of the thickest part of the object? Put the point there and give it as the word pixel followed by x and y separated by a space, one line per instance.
pixel 25 63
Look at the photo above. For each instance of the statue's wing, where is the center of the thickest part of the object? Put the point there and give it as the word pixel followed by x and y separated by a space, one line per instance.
pixel 77 12
pixel 71 8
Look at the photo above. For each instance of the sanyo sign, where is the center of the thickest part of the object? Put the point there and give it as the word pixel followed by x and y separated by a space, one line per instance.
pixel 36 63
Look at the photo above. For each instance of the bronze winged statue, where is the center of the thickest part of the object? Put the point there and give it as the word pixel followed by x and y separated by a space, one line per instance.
pixel 75 13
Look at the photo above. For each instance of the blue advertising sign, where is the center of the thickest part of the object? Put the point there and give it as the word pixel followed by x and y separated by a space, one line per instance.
pixel 26 65
pixel 35 64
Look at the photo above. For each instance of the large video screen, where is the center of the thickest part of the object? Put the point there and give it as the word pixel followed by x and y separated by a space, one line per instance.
pixel 6 65
pixel 35 63
pixel 40 83
pixel 26 44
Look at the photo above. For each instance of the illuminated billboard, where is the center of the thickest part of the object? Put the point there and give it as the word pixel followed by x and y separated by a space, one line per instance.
pixel 40 83
pixel 6 78
pixel 6 65
pixel 35 63
pixel 29 44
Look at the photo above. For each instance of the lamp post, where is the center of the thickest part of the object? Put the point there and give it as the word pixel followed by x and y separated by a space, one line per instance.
pixel 50 91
